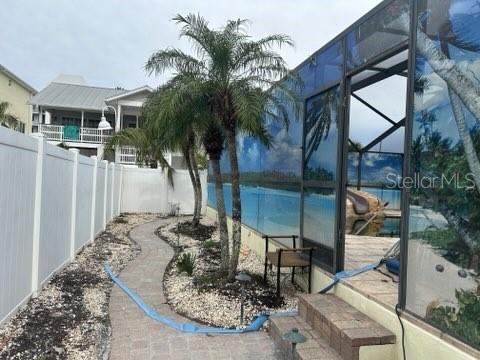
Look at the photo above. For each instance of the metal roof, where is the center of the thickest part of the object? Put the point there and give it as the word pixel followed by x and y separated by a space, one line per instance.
pixel 73 96
pixel 130 92
pixel 14 77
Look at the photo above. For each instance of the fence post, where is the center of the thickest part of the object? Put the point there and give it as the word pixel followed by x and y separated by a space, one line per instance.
pixel 94 196
pixel 37 211
pixel 167 190
pixel 74 203
pixel 105 195
pixel 120 190
pixel 112 192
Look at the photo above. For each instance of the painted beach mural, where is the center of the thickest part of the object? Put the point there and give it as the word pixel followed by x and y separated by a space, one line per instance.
pixel 445 145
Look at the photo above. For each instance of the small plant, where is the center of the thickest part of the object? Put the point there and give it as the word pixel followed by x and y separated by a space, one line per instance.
pixel 186 263
pixel 461 320
pixel 209 244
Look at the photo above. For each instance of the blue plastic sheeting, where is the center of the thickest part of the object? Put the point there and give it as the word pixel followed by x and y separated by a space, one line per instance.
pixel 348 274
pixel 255 325
pixel 393 265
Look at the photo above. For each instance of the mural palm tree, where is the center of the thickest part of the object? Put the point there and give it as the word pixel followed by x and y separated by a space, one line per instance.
pixel 462 88
pixel 233 72
pixel 318 121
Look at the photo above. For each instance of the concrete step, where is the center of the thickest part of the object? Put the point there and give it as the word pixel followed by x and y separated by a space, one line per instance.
pixel 315 348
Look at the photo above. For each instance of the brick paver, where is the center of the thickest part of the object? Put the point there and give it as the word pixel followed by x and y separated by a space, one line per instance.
pixel 135 336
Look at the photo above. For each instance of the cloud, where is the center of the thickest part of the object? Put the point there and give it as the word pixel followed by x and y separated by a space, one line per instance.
pixel 253 154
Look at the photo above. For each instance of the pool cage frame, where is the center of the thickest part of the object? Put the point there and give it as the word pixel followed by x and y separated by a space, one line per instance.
pixel 347 90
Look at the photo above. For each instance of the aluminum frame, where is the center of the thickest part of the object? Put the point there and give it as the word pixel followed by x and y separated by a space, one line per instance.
pixel 346 89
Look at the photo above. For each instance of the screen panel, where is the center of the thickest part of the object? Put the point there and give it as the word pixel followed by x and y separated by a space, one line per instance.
pixel 320 174
pixel 443 237
pixel 382 31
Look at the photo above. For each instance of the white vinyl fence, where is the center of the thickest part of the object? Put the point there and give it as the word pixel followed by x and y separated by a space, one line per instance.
pixel 149 190
pixel 54 201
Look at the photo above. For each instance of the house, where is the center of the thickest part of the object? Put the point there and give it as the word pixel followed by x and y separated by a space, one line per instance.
pixel 17 93
pixel 69 111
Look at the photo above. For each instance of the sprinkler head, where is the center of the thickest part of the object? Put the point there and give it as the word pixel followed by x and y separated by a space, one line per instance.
pixel 294 336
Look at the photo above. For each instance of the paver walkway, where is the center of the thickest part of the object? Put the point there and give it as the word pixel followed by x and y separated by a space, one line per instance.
pixel 135 336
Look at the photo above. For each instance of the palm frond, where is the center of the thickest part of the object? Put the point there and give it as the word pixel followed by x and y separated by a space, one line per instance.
pixel 173 59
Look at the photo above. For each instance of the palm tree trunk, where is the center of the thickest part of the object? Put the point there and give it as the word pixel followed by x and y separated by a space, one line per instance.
pixel 462 227
pixel 186 154
pixel 470 153
pixel 445 68
pixel 236 203
pixel 197 186
pixel 222 215
pixel 464 87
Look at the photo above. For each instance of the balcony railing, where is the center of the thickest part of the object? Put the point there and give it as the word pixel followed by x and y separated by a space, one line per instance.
pixel 71 133
pixel 126 155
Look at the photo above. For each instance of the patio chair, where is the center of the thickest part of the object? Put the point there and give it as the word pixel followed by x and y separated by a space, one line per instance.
pixel 288 257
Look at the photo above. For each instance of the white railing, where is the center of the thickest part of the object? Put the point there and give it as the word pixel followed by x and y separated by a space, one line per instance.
pixel 126 155
pixel 74 134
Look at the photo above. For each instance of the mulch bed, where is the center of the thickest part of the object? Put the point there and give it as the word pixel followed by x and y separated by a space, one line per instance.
pixel 69 318
pixel 207 296
pixel 201 232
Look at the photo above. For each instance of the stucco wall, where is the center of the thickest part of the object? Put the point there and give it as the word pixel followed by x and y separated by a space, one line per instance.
pixel 18 97
pixel 421 340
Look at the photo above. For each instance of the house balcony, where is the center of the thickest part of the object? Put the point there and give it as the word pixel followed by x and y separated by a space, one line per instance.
pixel 126 155
pixel 73 133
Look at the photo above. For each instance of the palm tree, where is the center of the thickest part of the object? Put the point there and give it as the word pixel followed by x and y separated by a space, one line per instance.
pixel 7 119
pixel 233 72
pixel 213 142
pixel 182 108
pixel 173 128
pixel 149 151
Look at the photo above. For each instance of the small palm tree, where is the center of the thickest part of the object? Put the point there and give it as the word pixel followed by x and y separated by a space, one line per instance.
pixel 173 129
pixel 213 142
pixel 233 73
pixel 7 119
pixel 182 108
pixel 149 152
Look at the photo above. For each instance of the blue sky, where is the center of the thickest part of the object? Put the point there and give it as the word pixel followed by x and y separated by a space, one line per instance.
pixel 108 41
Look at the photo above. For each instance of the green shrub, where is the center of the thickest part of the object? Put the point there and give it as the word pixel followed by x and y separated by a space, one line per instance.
pixel 461 321
pixel 186 263
pixel 208 244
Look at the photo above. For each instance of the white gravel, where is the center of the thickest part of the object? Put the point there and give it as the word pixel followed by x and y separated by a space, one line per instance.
pixel 213 307
pixel 69 317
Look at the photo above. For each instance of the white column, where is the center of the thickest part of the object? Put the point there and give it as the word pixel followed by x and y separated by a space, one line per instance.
pixel 105 195
pixel 81 125
pixel 48 117
pixel 37 214
pixel 118 121
pixel 112 192
pixel 136 120
pixel 94 195
pixel 74 203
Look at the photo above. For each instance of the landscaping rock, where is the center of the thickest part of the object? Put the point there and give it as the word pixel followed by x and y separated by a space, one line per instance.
pixel 69 318
pixel 207 296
